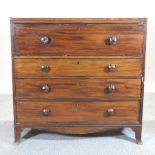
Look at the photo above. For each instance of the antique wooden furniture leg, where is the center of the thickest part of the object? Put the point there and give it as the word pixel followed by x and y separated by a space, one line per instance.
pixel 17 133
pixel 138 134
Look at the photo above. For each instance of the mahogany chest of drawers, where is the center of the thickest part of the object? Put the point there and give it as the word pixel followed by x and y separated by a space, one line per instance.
pixel 78 76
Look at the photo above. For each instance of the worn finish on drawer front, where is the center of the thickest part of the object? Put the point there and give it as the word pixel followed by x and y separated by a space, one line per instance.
pixel 78 39
pixel 77 88
pixel 78 67
pixel 78 75
pixel 32 111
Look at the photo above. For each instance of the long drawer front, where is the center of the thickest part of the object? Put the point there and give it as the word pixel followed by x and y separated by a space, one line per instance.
pixel 24 68
pixel 79 39
pixel 77 88
pixel 48 112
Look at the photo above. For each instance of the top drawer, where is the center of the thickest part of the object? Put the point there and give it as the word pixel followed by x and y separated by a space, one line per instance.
pixel 78 39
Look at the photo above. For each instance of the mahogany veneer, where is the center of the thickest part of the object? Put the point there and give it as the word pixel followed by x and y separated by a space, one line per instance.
pixel 78 76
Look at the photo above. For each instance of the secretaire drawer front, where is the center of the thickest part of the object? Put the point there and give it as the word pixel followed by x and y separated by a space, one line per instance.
pixel 77 88
pixel 47 112
pixel 78 39
pixel 77 67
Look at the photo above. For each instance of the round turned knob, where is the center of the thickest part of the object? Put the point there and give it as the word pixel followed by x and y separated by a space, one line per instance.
pixel 113 40
pixel 44 40
pixel 111 67
pixel 45 68
pixel 111 88
pixel 110 112
pixel 45 88
pixel 45 112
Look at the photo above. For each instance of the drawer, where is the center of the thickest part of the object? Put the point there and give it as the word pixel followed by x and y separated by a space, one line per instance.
pixel 77 67
pixel 78 39
pixel 77 88
pixel 105 112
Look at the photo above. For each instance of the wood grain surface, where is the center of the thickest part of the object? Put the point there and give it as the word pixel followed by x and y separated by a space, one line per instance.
pixel 31 111
pixel 77 88
pixel 77 39
pixel 79 20
pixel 24 68
pixel 76 92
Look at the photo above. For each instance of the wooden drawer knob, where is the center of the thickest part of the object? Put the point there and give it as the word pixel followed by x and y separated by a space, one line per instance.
pixel 111 88
pixel 112 40
pixel 45 88
pixel 45 112
pixel 111 67
pixel 44 68
pixel 44 40
pixel 110 112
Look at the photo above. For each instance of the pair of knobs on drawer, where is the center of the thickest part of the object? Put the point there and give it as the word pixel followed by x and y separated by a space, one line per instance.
pixel 111 68
pixel 111 88
pixel 46 112
pixel 111 40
